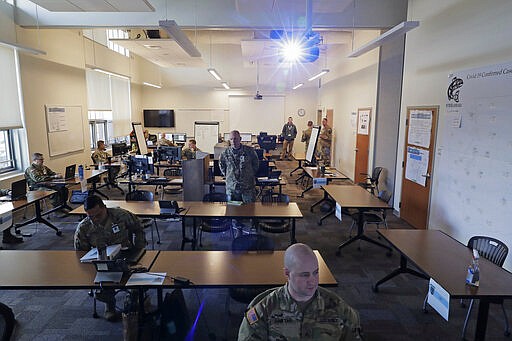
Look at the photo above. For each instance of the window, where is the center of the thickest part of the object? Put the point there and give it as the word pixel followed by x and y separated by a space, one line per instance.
pixel 100 126
pixel 117 34
pixel 6 158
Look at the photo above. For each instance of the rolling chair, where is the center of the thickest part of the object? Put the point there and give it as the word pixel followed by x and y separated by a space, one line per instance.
pixel 275 225
pixel 495 251
pixel 214 225
pixel 267 142
pixel 244 244
pixel 376 217
pixel 146 222
pixel 372 182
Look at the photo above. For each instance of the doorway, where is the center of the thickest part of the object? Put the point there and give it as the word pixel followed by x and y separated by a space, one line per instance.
pixel 362 144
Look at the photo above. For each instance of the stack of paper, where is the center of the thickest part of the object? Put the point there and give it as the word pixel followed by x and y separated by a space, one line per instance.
pixel 147 278
pixel 112 252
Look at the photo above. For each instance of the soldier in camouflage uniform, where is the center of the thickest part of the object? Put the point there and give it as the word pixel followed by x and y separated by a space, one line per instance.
pixel 324 144
pixel 306 136
pixel 190 152
pixel 38 173
pixel 100 154
pixel 299 310
pixel 108 226
pixel 239 164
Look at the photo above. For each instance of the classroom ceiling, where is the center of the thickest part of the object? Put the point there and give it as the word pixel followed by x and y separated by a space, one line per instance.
pixel 231 36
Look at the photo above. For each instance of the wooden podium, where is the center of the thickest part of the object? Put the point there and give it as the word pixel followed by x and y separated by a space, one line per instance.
pixel 195 178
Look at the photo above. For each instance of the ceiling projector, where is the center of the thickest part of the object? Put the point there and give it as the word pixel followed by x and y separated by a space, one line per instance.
pixel 258 96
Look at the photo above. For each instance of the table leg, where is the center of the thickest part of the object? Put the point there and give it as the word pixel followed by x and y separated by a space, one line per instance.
pixel 292 233
pixel 184 238
pixel 400 270
pixel 360 236
pixel 325 197
pixel 96 190
pixel 300 178
pixel 298 167
pixel 39 218
pixel 481 322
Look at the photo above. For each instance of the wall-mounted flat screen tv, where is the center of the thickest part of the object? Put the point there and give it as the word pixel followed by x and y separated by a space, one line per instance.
pixel 158 118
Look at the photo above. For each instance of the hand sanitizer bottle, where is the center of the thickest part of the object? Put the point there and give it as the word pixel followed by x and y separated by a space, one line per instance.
pixel 473 276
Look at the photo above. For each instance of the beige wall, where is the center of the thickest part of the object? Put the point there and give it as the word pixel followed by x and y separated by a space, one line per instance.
pixel 455 35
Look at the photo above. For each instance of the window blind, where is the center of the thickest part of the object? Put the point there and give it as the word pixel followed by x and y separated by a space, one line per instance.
pixel 121 106
pixel 10 112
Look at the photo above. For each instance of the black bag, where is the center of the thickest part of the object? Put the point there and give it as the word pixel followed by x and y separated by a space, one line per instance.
pixel 175 321
pixel 78 197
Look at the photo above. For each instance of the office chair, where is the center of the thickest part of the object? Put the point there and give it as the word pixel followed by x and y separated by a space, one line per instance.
pixel 146 222
pixel 173 189
pixel 267 142
pixel 214 225
pixel 244 244
pixel 495 251
pixel 275 225
pixel 372 182
pixel 376 217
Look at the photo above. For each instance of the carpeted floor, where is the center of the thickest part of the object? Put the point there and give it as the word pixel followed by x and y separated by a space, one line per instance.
pixel 392 314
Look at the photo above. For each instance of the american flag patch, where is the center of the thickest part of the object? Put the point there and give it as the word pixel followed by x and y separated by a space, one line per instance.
pixel 251 316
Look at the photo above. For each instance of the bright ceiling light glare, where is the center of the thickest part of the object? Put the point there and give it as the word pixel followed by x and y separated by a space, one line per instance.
pixel 225 85
pixel 297 86
pixel 292 51
pixel 320 74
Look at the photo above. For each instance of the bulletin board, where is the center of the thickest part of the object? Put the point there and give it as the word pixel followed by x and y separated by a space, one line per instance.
pixel 65 129
pixel 206 135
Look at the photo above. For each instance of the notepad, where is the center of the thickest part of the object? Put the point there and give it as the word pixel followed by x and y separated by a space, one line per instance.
pixel 235 203
pixel 112 252
pixel 147 278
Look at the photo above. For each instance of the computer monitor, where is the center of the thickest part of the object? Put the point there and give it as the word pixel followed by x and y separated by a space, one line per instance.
pixel 246 137
pixel 263 169
pixel 169 153
pixel 168 136
pixel 141 164
pixel 179 137
pixel 119 149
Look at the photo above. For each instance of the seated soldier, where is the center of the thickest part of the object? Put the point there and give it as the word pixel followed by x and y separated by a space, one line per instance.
pixel 39 177
pixel 299 310
pixel 100 155
pixel 108 226
pixel 162 141
pixel 190 152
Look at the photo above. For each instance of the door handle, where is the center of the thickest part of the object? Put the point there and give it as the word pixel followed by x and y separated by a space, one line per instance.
pixel 356 150
pixel 426 175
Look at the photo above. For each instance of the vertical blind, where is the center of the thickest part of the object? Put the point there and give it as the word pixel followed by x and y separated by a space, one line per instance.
pixel 10 113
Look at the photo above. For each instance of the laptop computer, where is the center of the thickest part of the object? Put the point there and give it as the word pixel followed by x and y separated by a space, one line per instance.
pixel 109 271
pixel 132 256
pixel 18 191
pixel 70 172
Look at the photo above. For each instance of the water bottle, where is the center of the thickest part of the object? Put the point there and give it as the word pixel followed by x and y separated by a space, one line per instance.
pixel 473 276
pixel 81 172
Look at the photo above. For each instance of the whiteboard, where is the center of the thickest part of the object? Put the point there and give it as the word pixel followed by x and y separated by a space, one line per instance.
pixel 310 153
pixel 206 135
pixel 139 136
pixel 62 123
pixel 250 115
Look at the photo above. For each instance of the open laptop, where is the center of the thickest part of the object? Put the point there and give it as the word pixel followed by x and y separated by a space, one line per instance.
pixel 18 191
pixel 132 256
pixel 70 172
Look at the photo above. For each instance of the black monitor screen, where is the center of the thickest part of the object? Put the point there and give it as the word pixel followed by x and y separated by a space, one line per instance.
pixel 169 153
pixel 142 165
pixel 158 118
pixel 179 137
pixel 119 149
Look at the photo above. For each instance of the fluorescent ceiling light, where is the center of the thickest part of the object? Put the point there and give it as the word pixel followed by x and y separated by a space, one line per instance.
pixel 320 74
pixel 110 73
pixel 181 38
pixel 153 85
pixel 153 47
pixel 215 74
pixel 297 86
pixel 225 85
pixel 395 32
pixel 22 48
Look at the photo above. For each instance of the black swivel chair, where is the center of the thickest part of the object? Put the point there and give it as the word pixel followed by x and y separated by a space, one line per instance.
pixel 146 222
pixel 214 225
pixel 376 217
pixel 275 225
pixel 495 251
pixel 243 244
pixel 372 182
pixel 267 142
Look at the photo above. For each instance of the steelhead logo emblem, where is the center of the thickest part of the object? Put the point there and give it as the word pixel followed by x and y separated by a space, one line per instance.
pixel 453 89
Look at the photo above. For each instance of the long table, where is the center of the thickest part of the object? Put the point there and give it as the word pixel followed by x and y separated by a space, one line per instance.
pixel 330 174
pixel 89 174
pixel 356 197
pixel 249 210
pixel 444 259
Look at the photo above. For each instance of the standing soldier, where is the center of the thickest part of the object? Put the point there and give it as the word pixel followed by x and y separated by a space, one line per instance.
pixel 306 135
pixel 239 164
pixel 288 133
pixel 325 139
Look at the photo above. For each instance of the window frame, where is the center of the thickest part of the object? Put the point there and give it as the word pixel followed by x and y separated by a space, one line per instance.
pixel 9 147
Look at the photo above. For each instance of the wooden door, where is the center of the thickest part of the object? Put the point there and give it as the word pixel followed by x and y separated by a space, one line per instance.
pixel 362 150
pixel 330 117
pixel 318 117
pixel 417 165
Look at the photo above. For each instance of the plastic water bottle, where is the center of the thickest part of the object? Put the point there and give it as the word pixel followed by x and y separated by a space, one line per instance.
pixel 473 276
pixel 81 172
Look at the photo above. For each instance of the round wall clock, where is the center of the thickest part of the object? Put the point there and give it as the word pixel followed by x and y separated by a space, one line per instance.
pixel 301 112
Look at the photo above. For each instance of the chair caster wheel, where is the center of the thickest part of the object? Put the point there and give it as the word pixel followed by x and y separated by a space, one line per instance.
pixel 375 289
pixel 58 233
